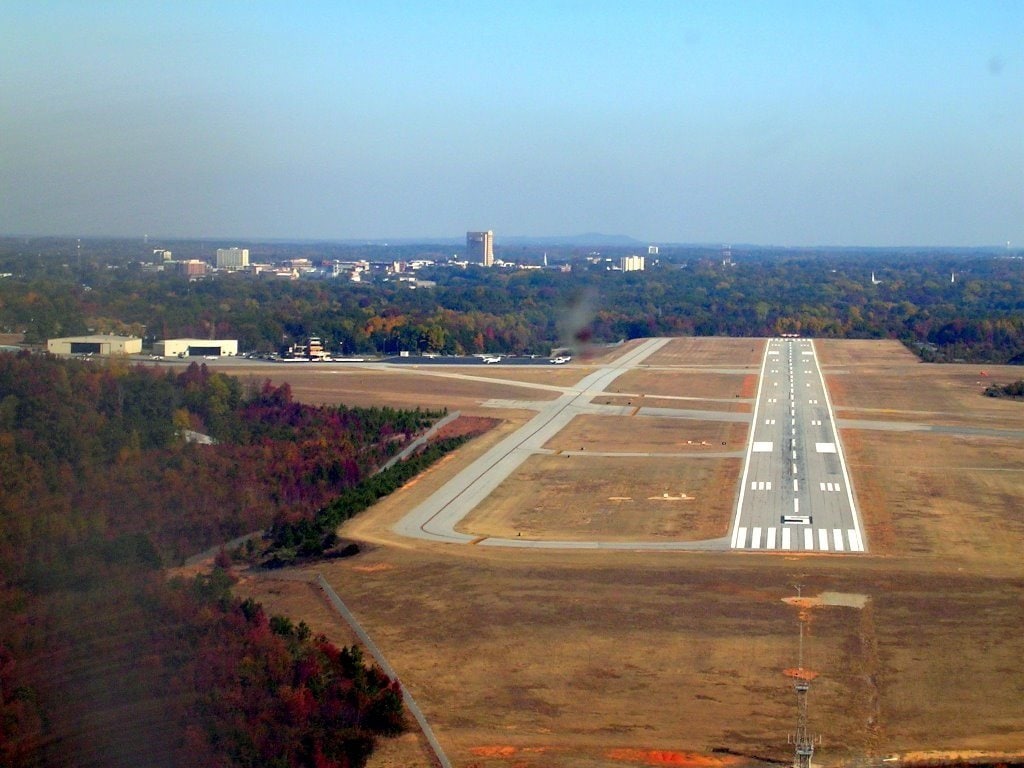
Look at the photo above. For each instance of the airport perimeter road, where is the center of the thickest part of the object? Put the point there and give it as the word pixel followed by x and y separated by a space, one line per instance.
pixel 795 490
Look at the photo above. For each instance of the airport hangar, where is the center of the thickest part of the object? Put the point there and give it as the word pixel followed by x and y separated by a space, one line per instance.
pixel 95 345
pixel 196 347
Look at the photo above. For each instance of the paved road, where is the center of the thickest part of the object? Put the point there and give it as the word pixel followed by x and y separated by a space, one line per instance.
pixel 795 491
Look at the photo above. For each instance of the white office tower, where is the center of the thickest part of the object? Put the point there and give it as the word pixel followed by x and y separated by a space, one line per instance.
pixel 480 247
pixel 232 258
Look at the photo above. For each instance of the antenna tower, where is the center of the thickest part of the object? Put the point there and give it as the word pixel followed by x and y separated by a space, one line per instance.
pixel 802 740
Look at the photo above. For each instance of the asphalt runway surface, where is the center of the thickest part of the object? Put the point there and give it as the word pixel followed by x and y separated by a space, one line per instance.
pixel 795 491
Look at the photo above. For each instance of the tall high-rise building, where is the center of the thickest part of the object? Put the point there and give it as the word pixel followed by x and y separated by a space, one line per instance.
pixel 232 258
pixel 480 247
pixel 190 268
pixel 632 263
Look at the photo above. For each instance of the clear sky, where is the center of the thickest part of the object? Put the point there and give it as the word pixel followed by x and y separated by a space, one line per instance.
pixel 785 123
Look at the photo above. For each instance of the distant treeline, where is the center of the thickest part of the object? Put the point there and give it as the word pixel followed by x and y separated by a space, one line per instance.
pixel 102 660
pixel 946 305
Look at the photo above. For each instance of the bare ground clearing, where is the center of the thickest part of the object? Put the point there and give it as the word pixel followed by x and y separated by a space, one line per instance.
pixel 648 434
pixel 546 658
pixel 599 498
pixel 709 350
pixel 688 383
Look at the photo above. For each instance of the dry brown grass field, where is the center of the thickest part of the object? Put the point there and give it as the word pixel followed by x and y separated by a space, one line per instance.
pixel 405 387
pixel 596 658
pixel 891 384
pixel 555 375
pixel 738 405
pixel 688 383
pixel 595 432
pixel 602 498
pixel 697 351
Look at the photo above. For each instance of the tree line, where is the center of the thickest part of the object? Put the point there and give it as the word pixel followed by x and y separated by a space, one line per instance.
pixel 944 305
pixel 99 490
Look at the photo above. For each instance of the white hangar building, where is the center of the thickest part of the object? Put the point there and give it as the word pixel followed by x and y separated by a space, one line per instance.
pixel 95 345
pixel 196 347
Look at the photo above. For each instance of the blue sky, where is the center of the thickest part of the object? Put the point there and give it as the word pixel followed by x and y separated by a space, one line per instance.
pixel 784 123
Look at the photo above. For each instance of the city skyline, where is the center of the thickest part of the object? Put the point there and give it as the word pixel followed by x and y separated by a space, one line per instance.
pixel 778 124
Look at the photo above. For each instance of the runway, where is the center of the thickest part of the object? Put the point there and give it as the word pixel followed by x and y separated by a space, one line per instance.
pixel 795 491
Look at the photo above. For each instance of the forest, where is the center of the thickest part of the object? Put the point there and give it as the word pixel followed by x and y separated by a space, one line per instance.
pixel 103 660
pixel 946 305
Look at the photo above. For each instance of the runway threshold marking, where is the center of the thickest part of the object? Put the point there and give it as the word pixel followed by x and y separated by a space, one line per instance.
pixel 856 545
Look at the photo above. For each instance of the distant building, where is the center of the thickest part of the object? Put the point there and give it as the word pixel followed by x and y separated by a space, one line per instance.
pixel 196 347
pixel 301 265
pixel 287 273
pixel 311 349
pixel 353 270
pixel 652 250
pixel 480 247
pixel 631 263
pixel 95 345
pixel 190 268
pixel 232 258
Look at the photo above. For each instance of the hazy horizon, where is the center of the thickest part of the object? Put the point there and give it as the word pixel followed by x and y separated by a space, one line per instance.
pixel 582 240
pixel 792 124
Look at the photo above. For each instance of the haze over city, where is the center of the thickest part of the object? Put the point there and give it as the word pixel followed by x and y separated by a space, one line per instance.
pixel 800 123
